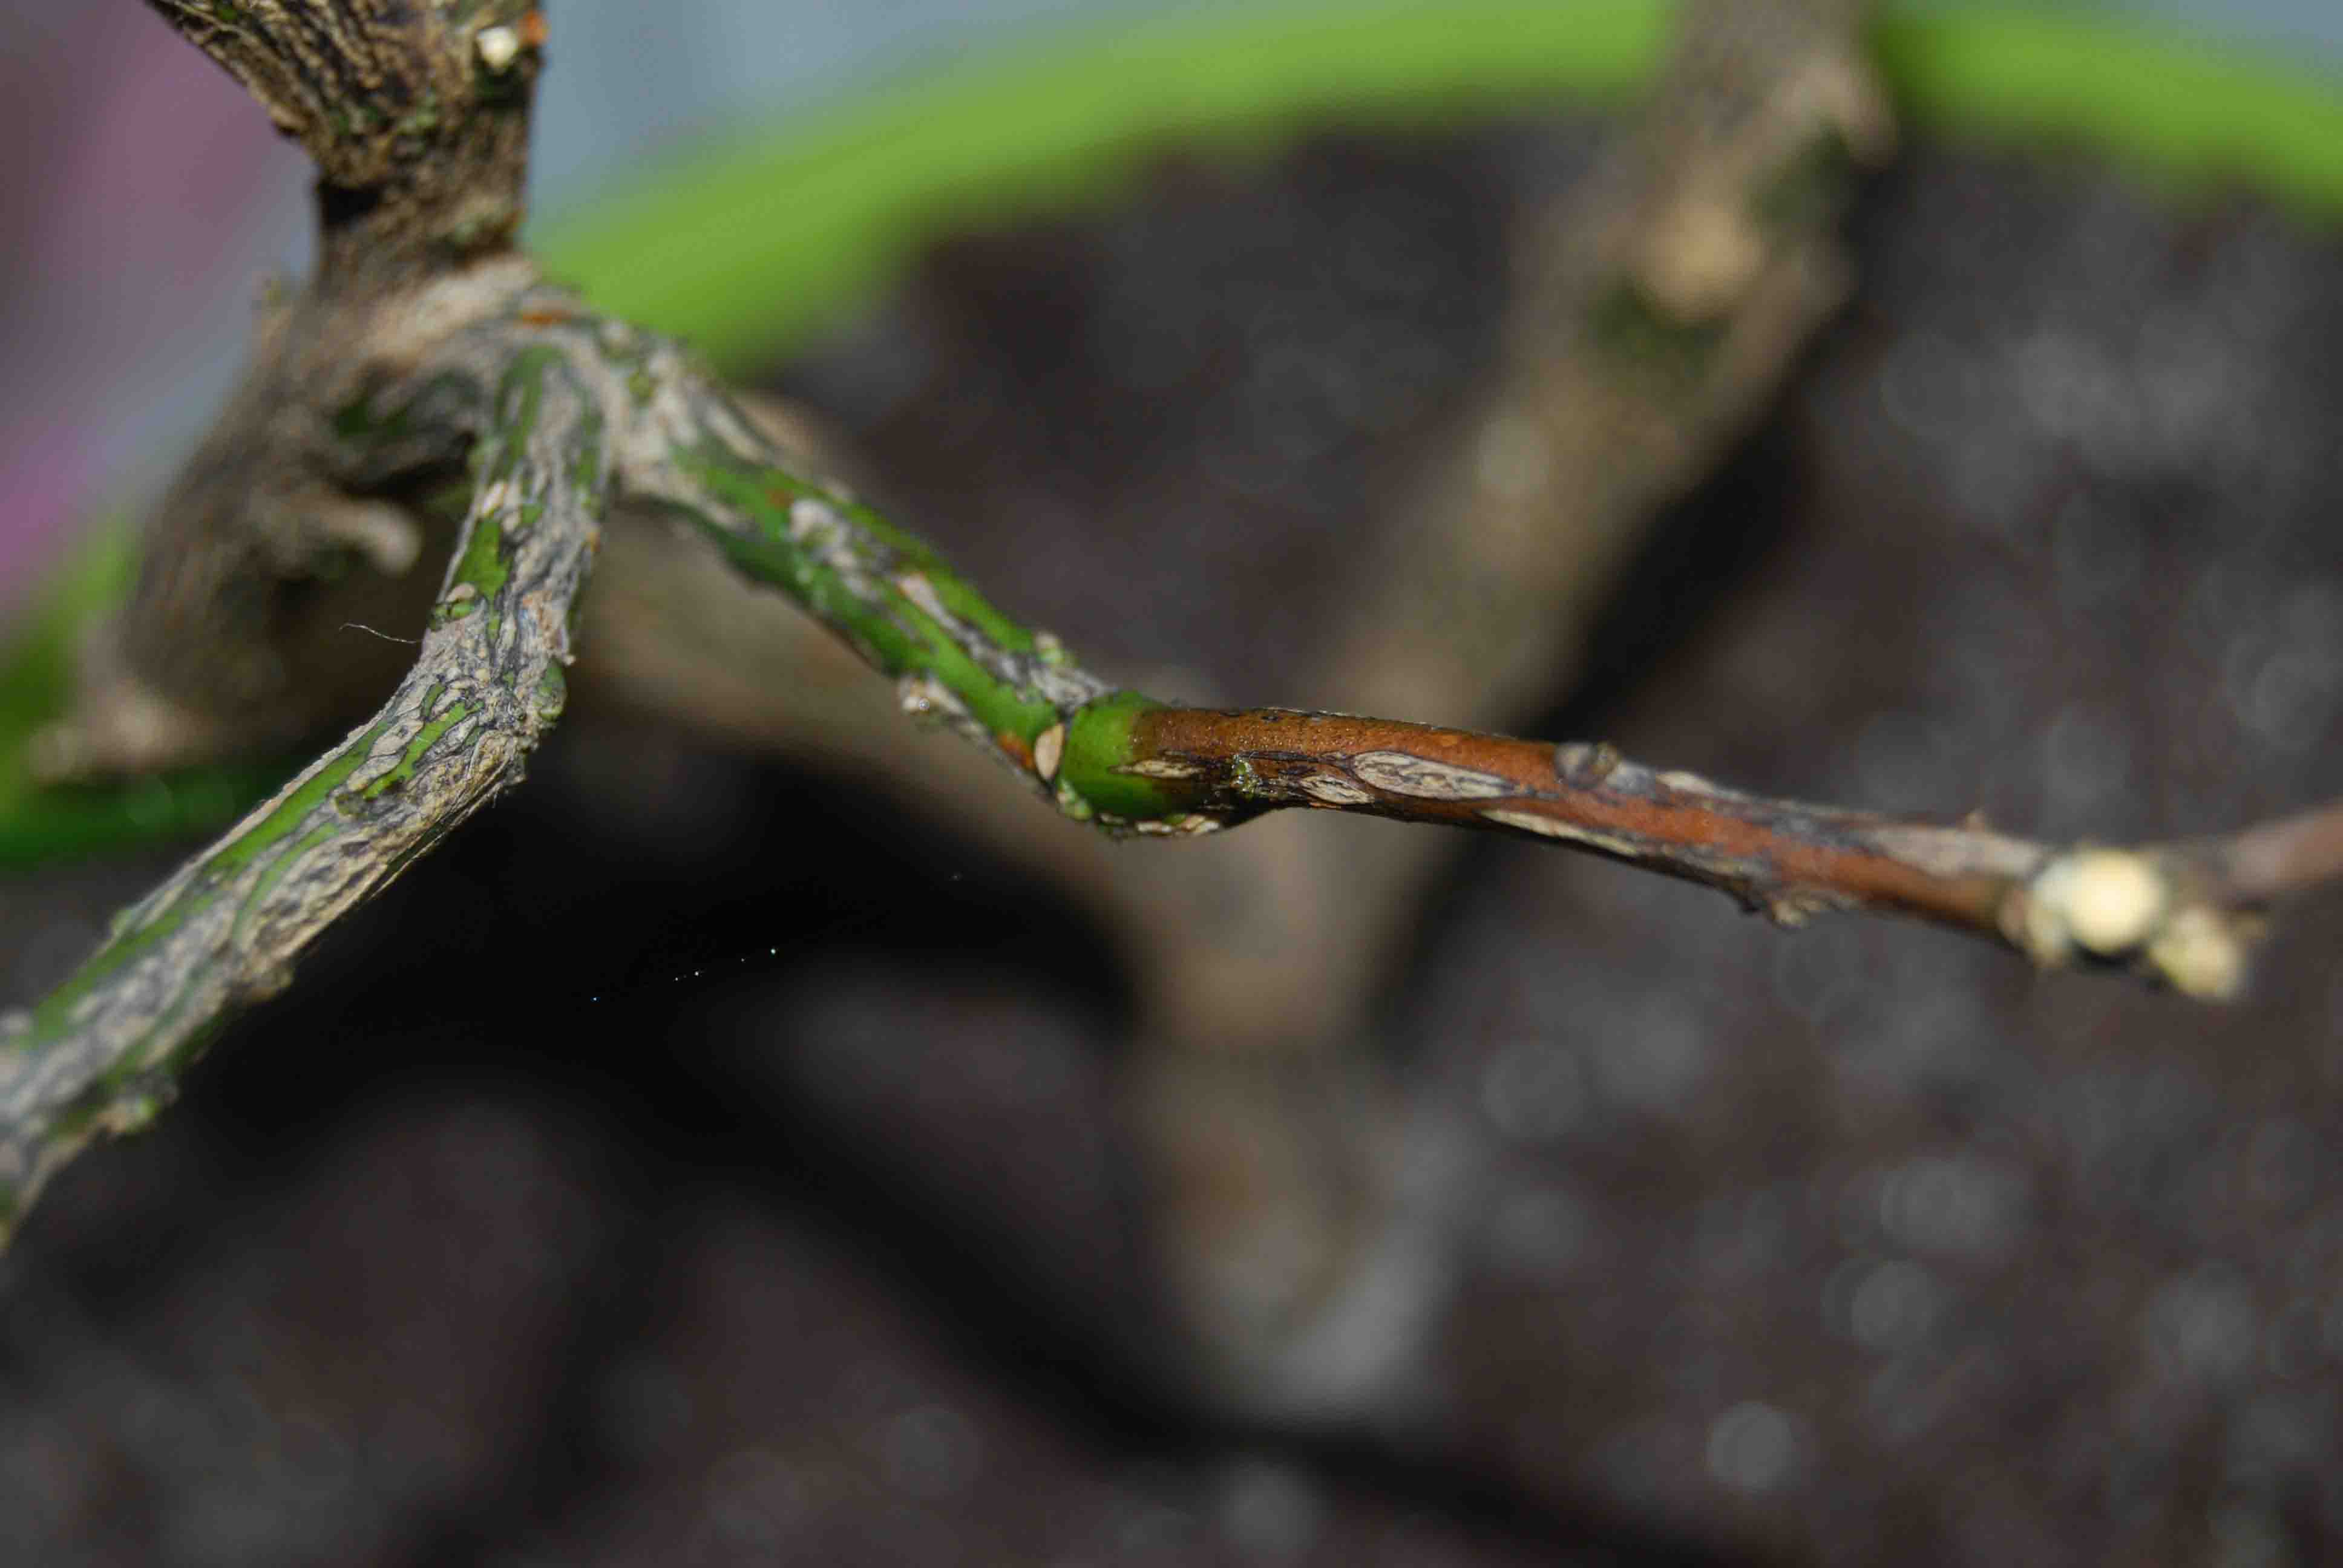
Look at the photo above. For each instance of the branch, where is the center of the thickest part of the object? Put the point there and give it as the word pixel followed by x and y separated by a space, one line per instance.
pixel 389 379
pixel 2182 913
pixel 104 1052
pixel 416 115
pixel 1656 306
pixel 570 407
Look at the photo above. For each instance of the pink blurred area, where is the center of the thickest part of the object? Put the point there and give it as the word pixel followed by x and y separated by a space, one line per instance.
pixel 143 199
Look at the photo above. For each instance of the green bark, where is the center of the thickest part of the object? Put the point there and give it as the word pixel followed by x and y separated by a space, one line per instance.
pixel 104 1050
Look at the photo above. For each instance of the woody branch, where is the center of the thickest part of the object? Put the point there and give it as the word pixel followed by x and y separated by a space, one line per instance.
pixel 435 347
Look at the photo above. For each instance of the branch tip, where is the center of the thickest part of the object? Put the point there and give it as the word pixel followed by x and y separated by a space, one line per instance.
pixel 2129 907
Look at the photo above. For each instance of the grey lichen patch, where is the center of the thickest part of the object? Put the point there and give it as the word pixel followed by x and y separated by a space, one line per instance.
pixel 1957 851
pixel 468 726
pixel 1688 783
pixel 832 542
pixel 1180 825
pixel 1617 844
pixel 390 748
pixel 817 524
pixel 926 698
pixel 1422 778
pixel 915 586
pixel 930 701
pixel 1333 789
pixel 1054 676
pixel 1585 765
pixel 1063 685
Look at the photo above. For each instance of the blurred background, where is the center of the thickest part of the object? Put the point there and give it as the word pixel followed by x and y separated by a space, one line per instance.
pixel 816 1206
pixel 124 242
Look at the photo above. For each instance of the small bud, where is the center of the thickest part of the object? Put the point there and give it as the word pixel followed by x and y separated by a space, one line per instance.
pixel 1048 748
pixel 499 46
pixel 2200 955
pixel 2109 901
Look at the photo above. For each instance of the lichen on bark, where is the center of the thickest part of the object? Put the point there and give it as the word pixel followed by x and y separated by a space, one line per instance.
pixel 103 1051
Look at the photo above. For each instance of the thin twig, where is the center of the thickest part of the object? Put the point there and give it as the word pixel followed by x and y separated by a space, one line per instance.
pixel 2183 913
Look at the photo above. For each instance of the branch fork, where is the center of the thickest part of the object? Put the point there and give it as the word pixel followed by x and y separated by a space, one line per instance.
pixel 427 350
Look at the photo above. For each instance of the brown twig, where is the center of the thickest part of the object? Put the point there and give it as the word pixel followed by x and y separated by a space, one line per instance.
pixel 2273 860
pixel 2183 913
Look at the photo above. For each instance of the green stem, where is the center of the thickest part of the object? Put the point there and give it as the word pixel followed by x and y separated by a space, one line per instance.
pixel 955 658
pixel 1131 765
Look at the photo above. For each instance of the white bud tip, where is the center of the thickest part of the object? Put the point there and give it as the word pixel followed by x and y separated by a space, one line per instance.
pixel 2200 955
pixel 2107 900
pixel 499 46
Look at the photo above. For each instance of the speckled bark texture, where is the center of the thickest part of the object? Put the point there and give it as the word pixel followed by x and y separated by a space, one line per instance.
pixel 104 1050
pixel 785 1220
pixel 416 113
